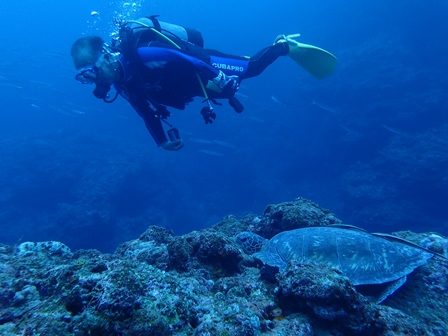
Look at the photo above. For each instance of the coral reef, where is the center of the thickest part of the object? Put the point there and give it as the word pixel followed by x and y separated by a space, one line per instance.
pixel 202 283
pixel 291 215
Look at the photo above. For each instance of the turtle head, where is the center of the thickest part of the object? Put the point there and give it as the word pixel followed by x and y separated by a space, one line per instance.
pixel 250 242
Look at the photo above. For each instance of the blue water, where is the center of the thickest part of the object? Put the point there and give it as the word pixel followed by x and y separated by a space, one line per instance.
pixel 369 143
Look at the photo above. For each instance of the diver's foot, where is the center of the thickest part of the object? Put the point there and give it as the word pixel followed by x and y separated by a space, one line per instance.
pixel 286 38
pixel 289 39
pixel 318 62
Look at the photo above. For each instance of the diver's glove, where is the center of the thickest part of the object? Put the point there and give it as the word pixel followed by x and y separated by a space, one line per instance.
pixel 224 83
pixel 208 115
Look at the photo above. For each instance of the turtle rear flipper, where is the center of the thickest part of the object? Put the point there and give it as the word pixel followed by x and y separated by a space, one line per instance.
pixel 392 287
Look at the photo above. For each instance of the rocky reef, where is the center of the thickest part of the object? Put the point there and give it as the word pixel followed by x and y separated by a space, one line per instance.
pixel 202 283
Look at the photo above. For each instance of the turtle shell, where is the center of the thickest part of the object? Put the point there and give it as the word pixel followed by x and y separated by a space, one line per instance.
pixel 363 257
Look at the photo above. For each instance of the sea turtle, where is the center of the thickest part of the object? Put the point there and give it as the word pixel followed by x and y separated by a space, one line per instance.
pixel 363 257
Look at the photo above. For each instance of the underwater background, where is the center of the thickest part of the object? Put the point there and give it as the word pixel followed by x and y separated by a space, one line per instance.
pixel 369 143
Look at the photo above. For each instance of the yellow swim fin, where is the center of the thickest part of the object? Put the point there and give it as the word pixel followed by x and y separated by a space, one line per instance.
pixel 318 62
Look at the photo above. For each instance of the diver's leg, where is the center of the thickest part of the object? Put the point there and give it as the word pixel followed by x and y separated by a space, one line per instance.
pixel 244 66
pixel 231 65
pixel 265 57
pixel 318 62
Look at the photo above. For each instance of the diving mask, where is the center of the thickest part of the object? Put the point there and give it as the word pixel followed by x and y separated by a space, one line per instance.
pixel 89 74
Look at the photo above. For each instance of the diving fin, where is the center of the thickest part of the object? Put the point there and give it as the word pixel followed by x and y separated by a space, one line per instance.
pixel 318 62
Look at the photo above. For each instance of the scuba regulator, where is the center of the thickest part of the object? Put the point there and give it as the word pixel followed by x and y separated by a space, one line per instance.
pixel 101 91
pixel 115 68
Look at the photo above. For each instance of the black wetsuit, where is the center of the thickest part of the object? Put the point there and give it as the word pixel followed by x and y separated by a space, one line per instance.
pixel 158 75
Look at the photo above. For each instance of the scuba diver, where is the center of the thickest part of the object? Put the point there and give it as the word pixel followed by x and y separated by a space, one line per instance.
pixel 155 65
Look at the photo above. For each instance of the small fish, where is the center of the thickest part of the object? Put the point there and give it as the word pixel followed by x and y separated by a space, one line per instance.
pixel 57 109
pixel 395 131
pixel 185 132
pixel 325 107
pixel 239 94
pixel 256 119
pixel 201 141
pixel 209 152
pixel 36 106
pixel 350 131
pixel 12 85
pixel 76 111
pixel 224 144
pixel 61 111
pixel 278 101
pixel 94 13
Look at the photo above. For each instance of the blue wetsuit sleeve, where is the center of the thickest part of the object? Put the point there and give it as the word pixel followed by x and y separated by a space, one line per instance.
pixel 152 121
pixel 156 54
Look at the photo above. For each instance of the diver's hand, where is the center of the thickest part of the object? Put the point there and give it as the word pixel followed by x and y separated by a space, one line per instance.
pixel 224 83
pixel 173 145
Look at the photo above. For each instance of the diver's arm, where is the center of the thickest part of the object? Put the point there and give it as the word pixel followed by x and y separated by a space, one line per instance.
pixel 157 54
pixel 154 126
pixel 216 80
pixel 153 123
pixel 151 113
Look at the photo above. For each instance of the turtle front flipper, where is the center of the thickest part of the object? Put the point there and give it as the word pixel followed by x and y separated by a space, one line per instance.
pixel 272 264
pixel 271 259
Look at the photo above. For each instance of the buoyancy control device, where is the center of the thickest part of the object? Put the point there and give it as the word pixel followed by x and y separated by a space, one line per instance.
pixel 137 33
pixel 141 32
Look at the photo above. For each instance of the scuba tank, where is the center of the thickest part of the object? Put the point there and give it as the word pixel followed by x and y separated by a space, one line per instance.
pixel 173 31
pixel 134 33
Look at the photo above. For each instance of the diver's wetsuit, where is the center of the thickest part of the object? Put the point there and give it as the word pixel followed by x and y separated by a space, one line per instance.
pixel 249 66
pixel 166 76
